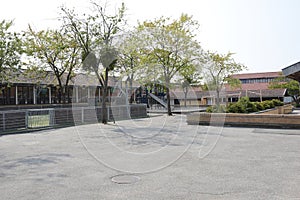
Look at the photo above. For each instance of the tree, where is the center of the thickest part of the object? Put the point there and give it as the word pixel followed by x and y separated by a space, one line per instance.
pixel 292 86
pixel 218 71
pixel 95 34
pixel 190 78
pixel 130 56
pixel 170 48
pixel 56 52
pixel 10 51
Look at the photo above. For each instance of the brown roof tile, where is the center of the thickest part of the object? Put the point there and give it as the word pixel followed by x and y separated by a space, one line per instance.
pixel 257 75
pixel 266 93
pixel 250 86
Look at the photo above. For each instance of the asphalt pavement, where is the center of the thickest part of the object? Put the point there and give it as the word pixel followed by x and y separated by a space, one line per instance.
pixel 154 158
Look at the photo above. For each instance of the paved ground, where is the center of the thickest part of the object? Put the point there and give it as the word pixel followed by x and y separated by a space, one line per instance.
pixel 297 112
pixel 172 160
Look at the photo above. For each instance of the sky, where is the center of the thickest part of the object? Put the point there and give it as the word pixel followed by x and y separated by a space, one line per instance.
pixel 263 34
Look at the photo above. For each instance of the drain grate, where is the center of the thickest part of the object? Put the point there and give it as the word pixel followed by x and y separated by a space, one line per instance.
pixel 125 179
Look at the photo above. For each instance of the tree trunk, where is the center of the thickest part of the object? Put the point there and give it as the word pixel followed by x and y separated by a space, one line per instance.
pixel 218 100
pixel 104 96
pixel 185 97
pixel 63 94
pixel 60 89
pixel 169 102
pixel 130 91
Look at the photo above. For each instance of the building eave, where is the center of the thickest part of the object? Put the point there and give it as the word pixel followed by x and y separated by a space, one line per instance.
pixel 292 71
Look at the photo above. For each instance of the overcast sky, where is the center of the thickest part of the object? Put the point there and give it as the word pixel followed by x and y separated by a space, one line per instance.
pixel 264 34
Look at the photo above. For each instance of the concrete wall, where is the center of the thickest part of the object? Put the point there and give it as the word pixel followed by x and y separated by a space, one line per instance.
pixel 245 120
pixel 286 109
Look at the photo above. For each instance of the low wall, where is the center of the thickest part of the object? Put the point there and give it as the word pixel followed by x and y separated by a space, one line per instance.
pixel 286 109
pixel 245 120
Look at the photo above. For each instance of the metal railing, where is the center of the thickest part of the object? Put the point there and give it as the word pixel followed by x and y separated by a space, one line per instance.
pixel 36 119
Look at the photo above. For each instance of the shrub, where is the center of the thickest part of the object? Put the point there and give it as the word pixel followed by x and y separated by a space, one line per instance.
pixel 267 105
pixel 271 104
pixel 209 109
pixel 215 109
pixel 259 106
pixel 251 107
pixel 236 108
pixel 242 106
pixel 277 102
pixel 246 105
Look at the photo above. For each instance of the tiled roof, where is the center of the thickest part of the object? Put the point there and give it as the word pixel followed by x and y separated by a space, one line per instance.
pixel 250 86
pixel 90 80
pixel 49 79
pixel 181 95
pixel 257 75
pixel 179 88
pixel 266 93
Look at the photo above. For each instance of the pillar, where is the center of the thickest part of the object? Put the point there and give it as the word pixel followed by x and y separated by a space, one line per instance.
pixel 76 93
pixel 50 97
pixel 34 95
pixel 17 95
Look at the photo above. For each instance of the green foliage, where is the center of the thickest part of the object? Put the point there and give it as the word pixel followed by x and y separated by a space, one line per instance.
pixel 95 33
pixel 292 86
pixel 216 109
pixel 130 57
pixel 10 51
pixel 277 102
pixel 245 106
pixel 268 104
pixel 54 51
pixel 170 49
pixel 218 70
pixel 242 106
pixel 259 106
pixel 236 108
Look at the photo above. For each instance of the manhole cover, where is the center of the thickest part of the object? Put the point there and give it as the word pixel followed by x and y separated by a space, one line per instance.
pixel 125 179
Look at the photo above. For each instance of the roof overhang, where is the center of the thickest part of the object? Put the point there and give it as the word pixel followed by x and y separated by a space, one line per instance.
pixel 292 71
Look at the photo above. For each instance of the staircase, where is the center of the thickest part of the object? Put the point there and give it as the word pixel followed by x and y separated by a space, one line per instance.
pixel 160 101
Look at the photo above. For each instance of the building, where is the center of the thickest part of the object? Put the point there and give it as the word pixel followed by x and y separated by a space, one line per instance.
pixel 84 88
pixel 292 71
pixel 253 85
pixel 24 90
pixel 256 86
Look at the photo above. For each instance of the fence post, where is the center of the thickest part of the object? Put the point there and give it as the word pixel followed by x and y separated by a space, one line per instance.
pixel 82 115
pixel 3 120
pixel 52 117
pixel 26 119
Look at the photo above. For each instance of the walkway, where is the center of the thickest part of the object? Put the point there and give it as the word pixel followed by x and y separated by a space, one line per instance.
pixel 296 112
